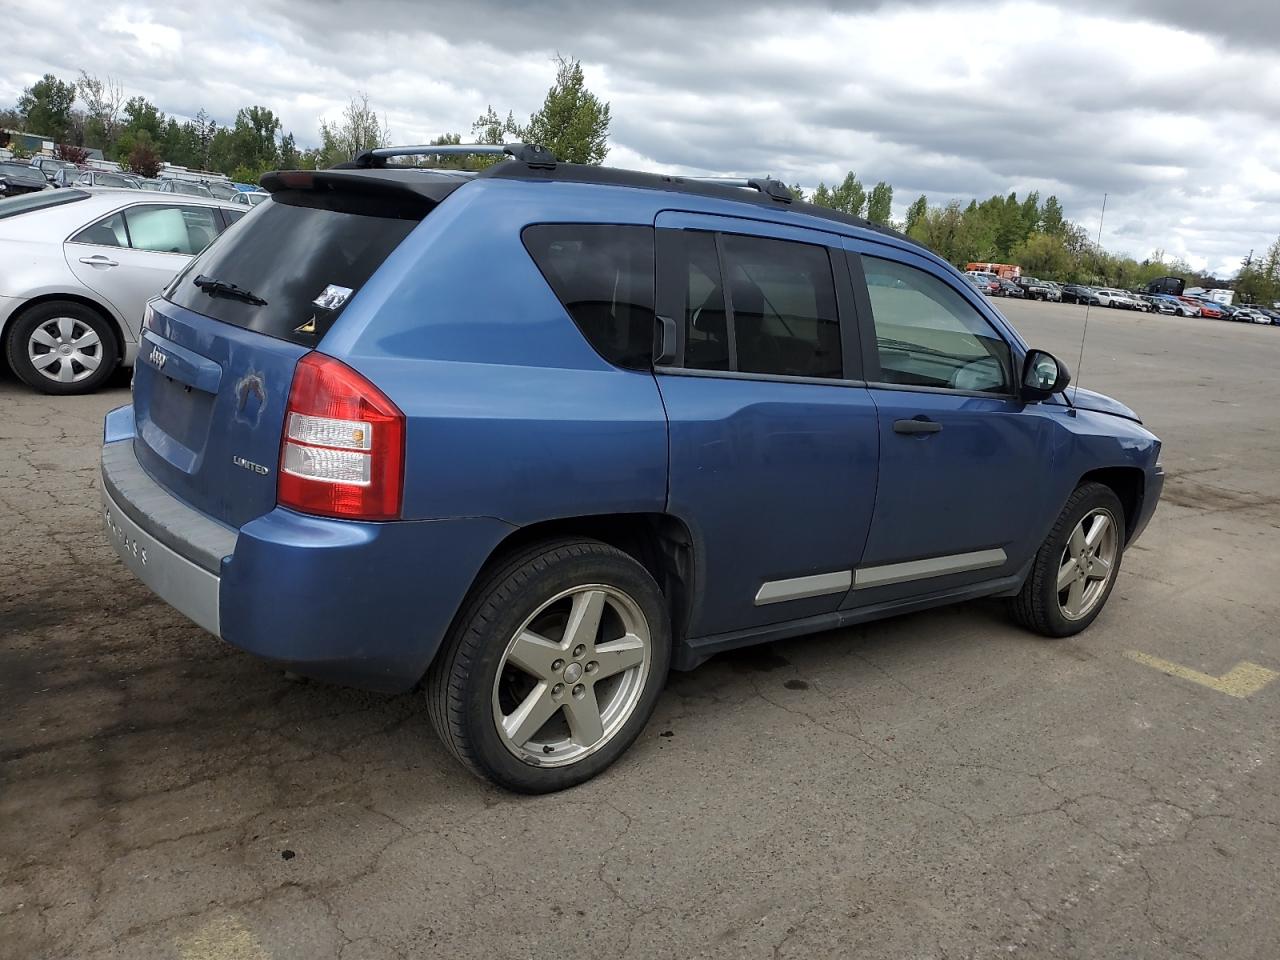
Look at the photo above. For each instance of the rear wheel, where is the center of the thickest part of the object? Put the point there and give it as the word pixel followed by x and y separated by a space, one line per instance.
pixel 1075 569
pixel 62 347
pixel 553 667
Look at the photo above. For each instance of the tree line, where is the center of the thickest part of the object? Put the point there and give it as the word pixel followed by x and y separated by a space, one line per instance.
pixel 92 113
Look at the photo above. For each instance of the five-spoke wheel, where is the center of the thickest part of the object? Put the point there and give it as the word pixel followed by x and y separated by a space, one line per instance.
pixel 572 674
pixel 1075 568
pixel 553 666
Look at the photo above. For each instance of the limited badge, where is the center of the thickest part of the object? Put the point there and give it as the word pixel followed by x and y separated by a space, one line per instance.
pixel 332 297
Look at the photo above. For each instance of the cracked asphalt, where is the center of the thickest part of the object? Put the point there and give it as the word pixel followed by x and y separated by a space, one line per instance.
pixel 937 786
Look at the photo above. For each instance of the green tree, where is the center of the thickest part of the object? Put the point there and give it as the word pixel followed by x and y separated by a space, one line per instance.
pixel 821 196
pixel 880 203
pixel 1052 220
pixel 573 122
pixel 915 213
pixel 797 191
pixel 45 107
pixel 357 130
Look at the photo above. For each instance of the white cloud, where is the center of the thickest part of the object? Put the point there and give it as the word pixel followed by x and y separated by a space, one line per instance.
pixel 1138 99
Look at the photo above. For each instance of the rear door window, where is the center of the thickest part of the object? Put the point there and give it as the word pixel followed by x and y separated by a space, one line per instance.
pixel 107 232
pixel 305 255
pixel 603 274
pixel 161 228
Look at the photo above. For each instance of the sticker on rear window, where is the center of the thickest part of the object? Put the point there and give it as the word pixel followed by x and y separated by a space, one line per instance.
pixel 332 297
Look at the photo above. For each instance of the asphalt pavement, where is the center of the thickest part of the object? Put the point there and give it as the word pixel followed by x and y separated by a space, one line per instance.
pixel 941 785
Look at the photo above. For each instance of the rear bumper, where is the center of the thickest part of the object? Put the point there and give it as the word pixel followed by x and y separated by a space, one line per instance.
pixel 360 604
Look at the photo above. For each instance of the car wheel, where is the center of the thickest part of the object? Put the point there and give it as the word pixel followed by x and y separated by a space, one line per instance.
pixel 553 666
pixel 62 347
pixel 1076 566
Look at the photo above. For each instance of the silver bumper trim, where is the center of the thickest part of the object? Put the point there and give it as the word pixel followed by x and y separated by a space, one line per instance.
pixel 185 586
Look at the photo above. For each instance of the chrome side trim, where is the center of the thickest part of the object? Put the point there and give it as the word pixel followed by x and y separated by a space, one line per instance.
pixel 891 573
pixel 797 588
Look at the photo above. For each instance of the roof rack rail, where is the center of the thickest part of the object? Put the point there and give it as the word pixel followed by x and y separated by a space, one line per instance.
pixel 774 189
pixel 535 155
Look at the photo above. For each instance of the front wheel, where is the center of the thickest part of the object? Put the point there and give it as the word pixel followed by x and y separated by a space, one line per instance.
pixel 1076 567
pixel 553 667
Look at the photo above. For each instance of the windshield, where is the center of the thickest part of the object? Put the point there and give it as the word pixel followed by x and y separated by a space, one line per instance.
pixel 222 191
pixel 190 189
pixel 17 170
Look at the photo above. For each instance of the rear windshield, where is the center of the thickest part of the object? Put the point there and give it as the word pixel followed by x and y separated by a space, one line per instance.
pixel 305 255
pixel 25 203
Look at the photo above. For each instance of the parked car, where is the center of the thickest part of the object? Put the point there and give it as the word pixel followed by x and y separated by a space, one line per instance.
pixel 64 177
pixel 987 283
pixel 1078 293
pixel 1036 289
pixel 151 183
pixel 1160 304
pixel 481 425
pixel 1250 314
pixel 187 188
pixel 1008 288
pixel 19 178
pixel 106 178
pixel 49 166
pixel 1110 297
pixel 222 189
pixel 1194 308
pixel 76 268
pixel 1212 310
pixel 247 199
pixel 1055 290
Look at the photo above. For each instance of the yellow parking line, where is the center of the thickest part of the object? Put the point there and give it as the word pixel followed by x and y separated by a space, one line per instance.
pixel 223 939
pixel 1244 679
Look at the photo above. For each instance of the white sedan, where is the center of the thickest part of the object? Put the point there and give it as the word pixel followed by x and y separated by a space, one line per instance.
pixel 77 267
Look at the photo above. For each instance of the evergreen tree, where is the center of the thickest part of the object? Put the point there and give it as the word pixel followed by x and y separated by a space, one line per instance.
pixel 573 122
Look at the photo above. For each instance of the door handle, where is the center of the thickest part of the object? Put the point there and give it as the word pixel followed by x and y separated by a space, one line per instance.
pixel 97 260
pixel 918 426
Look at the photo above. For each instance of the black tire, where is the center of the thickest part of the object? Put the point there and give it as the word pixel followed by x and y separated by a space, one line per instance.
pixel 460 685
pixel 1036 606
pixel 106 351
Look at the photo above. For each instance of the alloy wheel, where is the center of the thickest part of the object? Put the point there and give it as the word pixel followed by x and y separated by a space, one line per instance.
pixel 572 675
pixel 1088 563
pixel 65 349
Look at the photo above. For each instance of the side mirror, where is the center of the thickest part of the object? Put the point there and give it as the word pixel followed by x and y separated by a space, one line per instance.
pixel 1043 375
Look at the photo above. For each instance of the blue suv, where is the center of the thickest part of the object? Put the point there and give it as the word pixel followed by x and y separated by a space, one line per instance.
pixel 529 438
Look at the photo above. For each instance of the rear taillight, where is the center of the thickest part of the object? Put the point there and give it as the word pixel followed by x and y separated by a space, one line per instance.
pixel 343 448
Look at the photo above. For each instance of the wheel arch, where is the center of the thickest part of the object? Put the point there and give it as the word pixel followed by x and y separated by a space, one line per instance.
pixel 659 542
pixel 1128 484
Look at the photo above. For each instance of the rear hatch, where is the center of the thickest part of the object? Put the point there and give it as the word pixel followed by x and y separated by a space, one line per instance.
pixel 218 351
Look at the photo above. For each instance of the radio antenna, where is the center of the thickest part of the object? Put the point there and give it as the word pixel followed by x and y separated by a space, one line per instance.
pixel 1097 247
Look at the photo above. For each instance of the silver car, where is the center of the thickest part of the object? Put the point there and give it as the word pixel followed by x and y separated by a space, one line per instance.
pixel 77 267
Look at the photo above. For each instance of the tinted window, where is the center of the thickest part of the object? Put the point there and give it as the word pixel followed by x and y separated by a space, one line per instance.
pixel 292 255
pixel 927 334
pixel 603 275
pixel 231 216
pixel 165 229
pixel 706 324
pixel 110 232
pixel 783 304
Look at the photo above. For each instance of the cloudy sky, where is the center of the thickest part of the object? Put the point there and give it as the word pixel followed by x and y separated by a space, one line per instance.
pixel 1172 107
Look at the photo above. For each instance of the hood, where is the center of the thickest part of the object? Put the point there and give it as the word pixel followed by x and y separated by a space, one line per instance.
pixel 1099 403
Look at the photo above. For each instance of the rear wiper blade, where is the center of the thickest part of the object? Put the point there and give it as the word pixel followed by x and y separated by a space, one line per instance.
pixel 225 288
